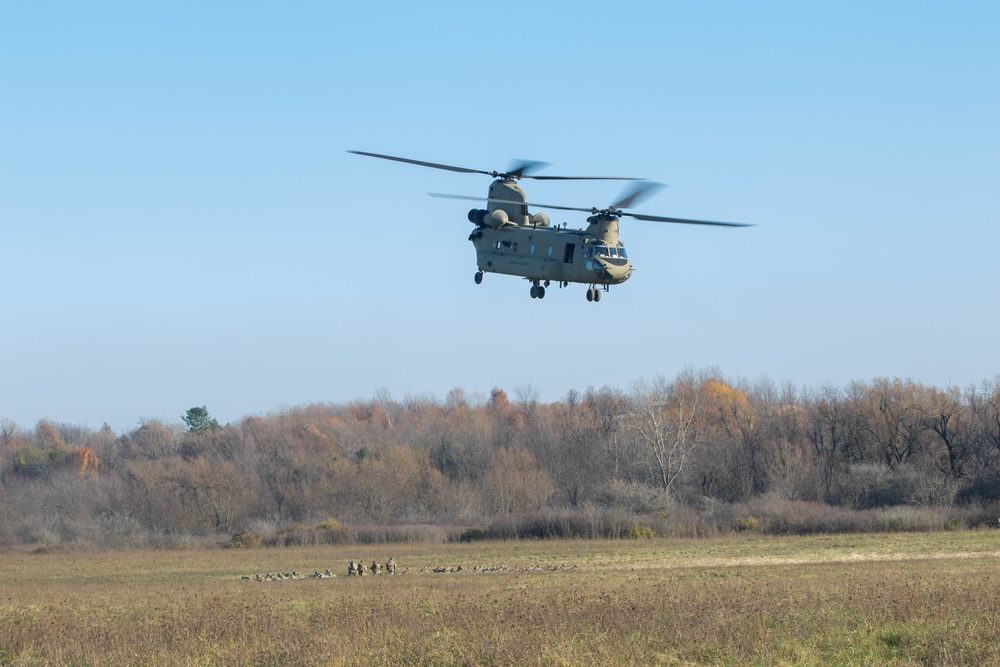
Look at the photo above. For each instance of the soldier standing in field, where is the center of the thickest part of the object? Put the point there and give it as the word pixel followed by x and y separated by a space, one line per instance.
pixel 390 566
pixel 352 569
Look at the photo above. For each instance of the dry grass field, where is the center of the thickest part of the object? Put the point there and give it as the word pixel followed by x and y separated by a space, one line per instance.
pixel 900 599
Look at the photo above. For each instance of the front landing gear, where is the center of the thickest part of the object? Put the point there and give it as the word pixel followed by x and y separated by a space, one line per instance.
pixel 593 294
pixel 537 290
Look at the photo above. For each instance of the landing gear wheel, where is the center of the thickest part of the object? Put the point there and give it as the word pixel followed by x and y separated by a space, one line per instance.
pixel 537 291
pixel 590 294
pixel 479 277
pixel 597 295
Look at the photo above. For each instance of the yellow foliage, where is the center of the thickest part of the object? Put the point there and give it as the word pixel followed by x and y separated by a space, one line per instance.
pixel 732 403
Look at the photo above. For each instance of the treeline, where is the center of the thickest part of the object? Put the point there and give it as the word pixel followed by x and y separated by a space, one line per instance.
pixel 695 454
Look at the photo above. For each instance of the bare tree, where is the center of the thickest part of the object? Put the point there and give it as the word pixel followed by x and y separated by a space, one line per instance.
pixel 891 420
pixel 665 417
pixel 829 432
pixel 945 416
pixel 514 482
pixel 986 412
pixel 8 432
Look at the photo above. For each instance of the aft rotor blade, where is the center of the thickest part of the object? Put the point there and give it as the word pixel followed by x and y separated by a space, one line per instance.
pixel 560 208
pixel 685 221
pixel 637 216
pixel 444 196
pixel 435 165
pixel 508 201
pixel 522 168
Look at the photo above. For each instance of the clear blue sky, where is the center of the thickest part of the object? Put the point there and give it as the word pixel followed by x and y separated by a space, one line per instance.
pixel 180 224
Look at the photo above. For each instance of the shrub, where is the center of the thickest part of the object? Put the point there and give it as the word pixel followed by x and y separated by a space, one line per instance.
pixel 640 533
pixel 330 532
pixel 300 535
pixel 245 541
pixel 330 525
pixel 48 549
pixel 746 524
pixel 473 535
pixel 404 533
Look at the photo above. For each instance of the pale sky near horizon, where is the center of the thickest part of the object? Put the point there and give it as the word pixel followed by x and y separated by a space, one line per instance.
pixel 181 225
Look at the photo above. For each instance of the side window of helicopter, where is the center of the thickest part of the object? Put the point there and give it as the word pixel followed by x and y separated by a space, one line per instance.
pixel 513 246
pixel 550 251
pixel 531 249
pixel 621 253
pixel 497 245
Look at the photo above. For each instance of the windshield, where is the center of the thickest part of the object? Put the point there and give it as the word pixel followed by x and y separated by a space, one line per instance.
pixel 605 251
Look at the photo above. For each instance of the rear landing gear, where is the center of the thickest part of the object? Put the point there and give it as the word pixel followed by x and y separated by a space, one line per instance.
pixel 479 277
pixel 593 294
pixel 537 291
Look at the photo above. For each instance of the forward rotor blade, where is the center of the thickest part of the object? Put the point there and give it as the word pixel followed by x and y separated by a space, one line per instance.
pixel 685 221
pixel 583 178
pixel 446 167
pixel 639 192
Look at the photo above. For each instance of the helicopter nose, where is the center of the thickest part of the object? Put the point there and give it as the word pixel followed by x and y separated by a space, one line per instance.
pixel 618 271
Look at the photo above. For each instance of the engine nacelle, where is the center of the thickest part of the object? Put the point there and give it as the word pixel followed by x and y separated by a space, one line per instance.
pixel 540 220
pixel 477 215
pixel 496 219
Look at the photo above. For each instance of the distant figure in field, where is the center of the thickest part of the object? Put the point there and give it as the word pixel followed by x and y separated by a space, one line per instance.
pixel 362 569
pixel 352 569
pixel 390 566
pixel 376 567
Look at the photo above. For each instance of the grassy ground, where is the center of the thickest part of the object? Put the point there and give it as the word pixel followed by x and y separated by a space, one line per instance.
pixel 900 599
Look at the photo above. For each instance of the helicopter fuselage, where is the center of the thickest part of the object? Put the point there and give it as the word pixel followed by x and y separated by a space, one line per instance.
pixel 510 241
pixel 552 254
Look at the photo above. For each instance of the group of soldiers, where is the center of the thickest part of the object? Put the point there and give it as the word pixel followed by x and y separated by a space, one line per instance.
pixel 359 568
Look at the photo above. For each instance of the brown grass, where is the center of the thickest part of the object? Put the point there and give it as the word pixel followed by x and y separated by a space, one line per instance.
pixel 924 599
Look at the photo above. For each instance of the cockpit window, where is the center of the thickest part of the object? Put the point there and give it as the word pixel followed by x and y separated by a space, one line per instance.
pixel 621 253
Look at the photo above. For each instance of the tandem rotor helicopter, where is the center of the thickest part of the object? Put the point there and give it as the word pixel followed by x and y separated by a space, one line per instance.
pixel 510 241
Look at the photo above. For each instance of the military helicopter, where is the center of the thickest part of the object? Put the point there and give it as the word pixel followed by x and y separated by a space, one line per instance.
pixel 510 241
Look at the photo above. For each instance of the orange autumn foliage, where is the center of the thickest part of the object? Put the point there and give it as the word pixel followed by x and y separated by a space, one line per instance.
pixel 85 461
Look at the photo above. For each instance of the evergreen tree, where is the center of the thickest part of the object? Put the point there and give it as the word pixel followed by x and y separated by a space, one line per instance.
pixel 199 421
